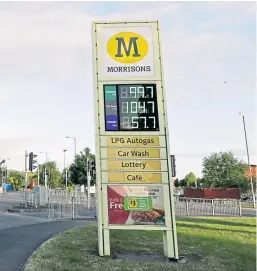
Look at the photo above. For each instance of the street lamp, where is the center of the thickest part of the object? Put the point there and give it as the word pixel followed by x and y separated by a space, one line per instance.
pixel 64 166
pixel 249 165
pixel 45 169
pixel 2 162
pixel 75 143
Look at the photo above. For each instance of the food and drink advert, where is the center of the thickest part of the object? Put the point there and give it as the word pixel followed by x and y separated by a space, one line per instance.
pixel 136 205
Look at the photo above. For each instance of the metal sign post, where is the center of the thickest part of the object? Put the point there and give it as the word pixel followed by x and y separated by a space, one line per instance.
pixel 26 179
pixel 132 137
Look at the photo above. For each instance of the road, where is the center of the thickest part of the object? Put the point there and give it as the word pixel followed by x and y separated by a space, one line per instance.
pixel 9 220
pixel 9 199
pixel 18 243
pixel 22 233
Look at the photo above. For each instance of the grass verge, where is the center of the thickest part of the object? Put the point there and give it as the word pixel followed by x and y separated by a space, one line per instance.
pixel 226 244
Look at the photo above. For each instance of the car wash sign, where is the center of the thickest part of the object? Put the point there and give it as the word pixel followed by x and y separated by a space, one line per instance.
pixel 127 52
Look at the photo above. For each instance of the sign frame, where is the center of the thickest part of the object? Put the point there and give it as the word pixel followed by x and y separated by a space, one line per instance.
pixel 169 233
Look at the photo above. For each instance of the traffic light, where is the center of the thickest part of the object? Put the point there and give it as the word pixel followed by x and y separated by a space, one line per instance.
pixel 173 165
pixel 92 168
pixel 5 172
pixel 32 161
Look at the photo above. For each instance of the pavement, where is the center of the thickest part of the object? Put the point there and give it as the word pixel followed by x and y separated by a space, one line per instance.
pixel 249 212
pixel 18 243
pixel 22 233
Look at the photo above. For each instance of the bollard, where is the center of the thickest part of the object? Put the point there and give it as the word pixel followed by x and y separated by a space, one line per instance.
pixel 88 202
pixel 72 208
pixel 49 208
pixel 61 209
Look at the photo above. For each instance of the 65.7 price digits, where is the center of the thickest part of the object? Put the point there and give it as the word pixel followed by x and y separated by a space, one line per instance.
pixel 139 122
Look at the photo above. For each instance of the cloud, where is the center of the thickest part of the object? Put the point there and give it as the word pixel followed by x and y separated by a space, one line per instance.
pixel 60 26
pixel 45 53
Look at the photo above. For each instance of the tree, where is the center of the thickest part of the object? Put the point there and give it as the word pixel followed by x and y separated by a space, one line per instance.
pixel 16 178
pixel 176 183
pixel 200 182
pixel 190 179
pixel 78 169
pixel 183 183
pixel 54 179
pixel 224 170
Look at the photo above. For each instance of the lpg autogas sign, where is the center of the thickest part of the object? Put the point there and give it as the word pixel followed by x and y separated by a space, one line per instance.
pixel 128 53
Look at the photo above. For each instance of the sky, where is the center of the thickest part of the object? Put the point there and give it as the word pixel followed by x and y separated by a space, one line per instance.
pixel 46 78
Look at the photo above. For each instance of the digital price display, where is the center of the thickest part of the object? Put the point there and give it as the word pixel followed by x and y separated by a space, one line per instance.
pixel 131 108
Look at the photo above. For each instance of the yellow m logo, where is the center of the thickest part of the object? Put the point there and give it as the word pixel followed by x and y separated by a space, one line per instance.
pixel 127 47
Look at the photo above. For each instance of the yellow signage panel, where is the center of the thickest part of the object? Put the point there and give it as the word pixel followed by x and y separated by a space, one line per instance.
pixel 142 141
pixel 134 177
pixel 133 153
pixel 134 165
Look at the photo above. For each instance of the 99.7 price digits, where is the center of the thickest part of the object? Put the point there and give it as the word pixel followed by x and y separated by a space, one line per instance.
pixel 133 92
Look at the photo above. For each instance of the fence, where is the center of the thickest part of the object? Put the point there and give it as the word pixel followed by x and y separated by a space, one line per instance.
pixel 71 207
pixel 66 204
pixel 207 207
pixel 63 204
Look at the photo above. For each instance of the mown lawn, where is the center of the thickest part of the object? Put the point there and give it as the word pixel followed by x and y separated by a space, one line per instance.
pixel 221 244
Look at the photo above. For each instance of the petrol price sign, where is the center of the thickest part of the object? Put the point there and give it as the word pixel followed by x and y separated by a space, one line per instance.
pixel 132 153
pixel 131 107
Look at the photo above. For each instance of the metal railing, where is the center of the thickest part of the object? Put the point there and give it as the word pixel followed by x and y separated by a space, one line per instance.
pixel 66 204
pixel 207 207
pixel 77 207
pixel 31 197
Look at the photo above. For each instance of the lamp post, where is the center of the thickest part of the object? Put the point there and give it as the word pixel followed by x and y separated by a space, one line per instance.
pixel 75 143
pixel 2 162
pixel 248 158
pixel 64 167
pixel 45 168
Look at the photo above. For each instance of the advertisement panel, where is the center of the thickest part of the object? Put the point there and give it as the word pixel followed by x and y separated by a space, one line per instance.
pixel 253 172
pixel 135 205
